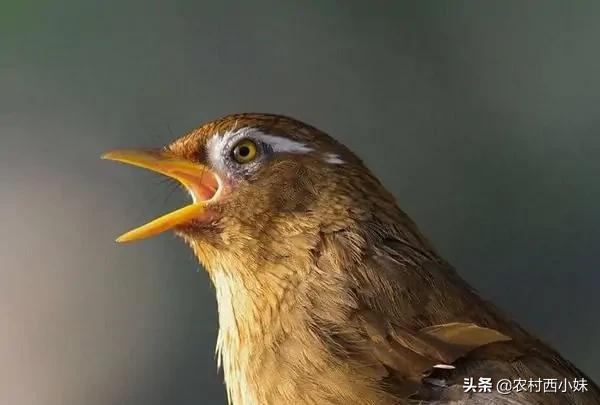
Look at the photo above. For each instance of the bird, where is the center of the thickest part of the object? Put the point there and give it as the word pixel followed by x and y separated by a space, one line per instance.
pixel 327 292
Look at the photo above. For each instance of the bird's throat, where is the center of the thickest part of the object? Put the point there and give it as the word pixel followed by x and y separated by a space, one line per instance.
pixel 249 325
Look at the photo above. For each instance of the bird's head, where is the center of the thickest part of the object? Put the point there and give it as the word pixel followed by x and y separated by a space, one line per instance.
pixel 262 186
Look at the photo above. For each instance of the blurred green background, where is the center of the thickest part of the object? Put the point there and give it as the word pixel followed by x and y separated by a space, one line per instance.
pixel 481 117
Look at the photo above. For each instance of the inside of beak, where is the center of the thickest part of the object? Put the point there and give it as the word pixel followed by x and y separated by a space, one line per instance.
pixel 202 184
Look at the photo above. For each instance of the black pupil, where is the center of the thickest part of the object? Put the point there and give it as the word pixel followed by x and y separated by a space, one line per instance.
pixel 244 151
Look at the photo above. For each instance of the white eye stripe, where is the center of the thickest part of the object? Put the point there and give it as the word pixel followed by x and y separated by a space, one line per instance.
pixel 279 144
pixel 216 145
pixel 333 158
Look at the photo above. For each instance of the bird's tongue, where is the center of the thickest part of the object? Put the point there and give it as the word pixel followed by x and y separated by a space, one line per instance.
pixel 201 182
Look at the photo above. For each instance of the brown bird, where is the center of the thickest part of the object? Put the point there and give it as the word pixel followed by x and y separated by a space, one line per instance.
pixel 327 292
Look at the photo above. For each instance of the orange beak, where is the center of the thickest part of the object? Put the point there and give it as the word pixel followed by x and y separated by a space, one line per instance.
pixel 201 182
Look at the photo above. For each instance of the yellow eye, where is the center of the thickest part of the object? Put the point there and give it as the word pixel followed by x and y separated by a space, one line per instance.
pixel 244 151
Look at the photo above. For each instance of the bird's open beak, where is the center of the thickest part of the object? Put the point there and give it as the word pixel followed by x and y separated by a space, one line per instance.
pixel 201 182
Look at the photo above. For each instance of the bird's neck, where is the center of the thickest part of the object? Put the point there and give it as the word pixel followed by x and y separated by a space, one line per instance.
pixel 269 308
pixel 251 294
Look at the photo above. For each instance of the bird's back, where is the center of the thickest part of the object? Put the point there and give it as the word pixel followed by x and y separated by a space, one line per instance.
pixel 427 337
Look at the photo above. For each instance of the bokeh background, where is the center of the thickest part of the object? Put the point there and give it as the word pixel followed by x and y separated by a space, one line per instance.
pixel 481 117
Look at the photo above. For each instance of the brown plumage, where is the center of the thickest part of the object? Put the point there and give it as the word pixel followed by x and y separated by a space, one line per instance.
pixel 327 292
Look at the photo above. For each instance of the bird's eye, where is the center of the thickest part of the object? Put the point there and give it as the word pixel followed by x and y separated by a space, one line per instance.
pixel 244 151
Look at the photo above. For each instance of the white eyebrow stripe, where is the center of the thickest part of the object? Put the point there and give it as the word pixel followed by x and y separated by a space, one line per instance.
pixel 333 158
pixel 279 144
pixel 217 143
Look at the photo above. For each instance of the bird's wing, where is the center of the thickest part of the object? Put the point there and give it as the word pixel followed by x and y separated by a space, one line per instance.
pixel 429 331
pixel 410 356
